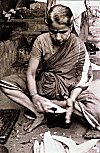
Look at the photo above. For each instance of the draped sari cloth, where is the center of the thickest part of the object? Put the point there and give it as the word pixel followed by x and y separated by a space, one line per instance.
pixel 62 72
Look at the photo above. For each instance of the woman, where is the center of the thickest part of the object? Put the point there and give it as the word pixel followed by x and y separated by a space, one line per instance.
pixel 58 74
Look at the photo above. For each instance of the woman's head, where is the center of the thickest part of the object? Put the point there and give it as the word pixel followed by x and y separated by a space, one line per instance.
pixel 60 22
pixel 60 14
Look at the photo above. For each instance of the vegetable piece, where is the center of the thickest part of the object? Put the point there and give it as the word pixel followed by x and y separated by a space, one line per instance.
pixel 73 148
pixel 49 144
pixel 86 146
pixel 59 109
pixel 67 141
pixel 36 147
pixel 59 147
pixel 67 150
pixel 42 147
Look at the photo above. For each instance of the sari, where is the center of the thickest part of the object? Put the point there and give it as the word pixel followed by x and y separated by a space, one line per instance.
pixel 62 72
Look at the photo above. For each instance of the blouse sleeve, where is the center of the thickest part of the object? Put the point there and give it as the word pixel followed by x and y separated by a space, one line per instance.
pixel 36 49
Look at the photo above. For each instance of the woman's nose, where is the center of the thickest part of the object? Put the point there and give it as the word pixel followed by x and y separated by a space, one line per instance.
pixel 58 36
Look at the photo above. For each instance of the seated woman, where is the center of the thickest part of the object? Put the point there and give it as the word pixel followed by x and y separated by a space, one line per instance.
pixel 58 74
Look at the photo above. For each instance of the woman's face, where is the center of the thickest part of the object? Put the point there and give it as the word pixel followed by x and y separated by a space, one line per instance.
pixel 59 33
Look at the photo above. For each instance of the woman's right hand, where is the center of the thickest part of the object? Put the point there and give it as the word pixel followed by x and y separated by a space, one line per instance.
pixel 43 104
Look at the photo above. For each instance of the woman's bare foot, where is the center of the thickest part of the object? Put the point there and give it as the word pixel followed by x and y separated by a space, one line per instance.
pixel 35 123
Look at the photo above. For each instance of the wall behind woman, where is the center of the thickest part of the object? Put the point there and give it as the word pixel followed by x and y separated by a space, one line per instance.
pixel 10 50
pixel 8 4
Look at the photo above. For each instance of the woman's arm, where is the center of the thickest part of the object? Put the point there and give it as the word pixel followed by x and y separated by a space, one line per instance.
pixel 31 74
pixel 75 93
pixel 41 104
pixel 38 101
pixel 82 77
pixel 83 71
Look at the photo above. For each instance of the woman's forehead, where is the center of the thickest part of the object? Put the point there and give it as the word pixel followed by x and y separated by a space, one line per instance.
pixel 56 26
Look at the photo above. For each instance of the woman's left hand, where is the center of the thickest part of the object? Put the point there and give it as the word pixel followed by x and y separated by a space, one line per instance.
pixel 69 110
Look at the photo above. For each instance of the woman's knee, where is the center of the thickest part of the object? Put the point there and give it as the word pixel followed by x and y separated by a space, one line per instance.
pixel 5 90
pixel 13 82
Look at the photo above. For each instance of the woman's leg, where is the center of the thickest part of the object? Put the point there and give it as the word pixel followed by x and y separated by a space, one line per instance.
pixel 22 99
pixel 18 96
pixel 89 105
pixel 14 86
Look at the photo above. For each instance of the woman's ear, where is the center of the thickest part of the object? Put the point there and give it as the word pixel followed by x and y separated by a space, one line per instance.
pixel 45 20
pixel 71 20
pixel 71 27
pixel 71 23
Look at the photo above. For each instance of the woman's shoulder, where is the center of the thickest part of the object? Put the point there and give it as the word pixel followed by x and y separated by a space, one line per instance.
pixel 75 38
pixel 43 36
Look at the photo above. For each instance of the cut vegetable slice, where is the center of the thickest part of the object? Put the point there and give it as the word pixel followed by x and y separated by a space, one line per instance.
pixel 42 147
pixel 49 144
pixel 36 147
pixel 86 146
pixel 59 147
pixel 67 141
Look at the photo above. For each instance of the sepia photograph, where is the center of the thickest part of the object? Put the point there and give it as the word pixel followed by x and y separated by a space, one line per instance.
pixel 49 76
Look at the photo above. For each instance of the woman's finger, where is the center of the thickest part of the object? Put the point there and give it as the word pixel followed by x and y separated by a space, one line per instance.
pixel 39 107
